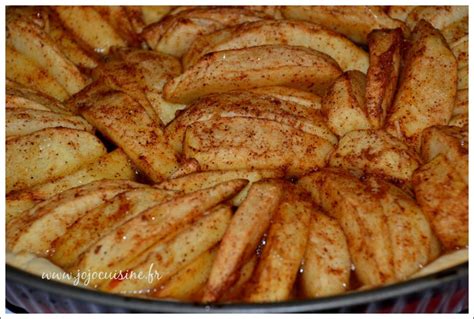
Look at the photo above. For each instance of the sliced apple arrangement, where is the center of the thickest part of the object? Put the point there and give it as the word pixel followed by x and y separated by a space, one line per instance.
pixel 254 154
